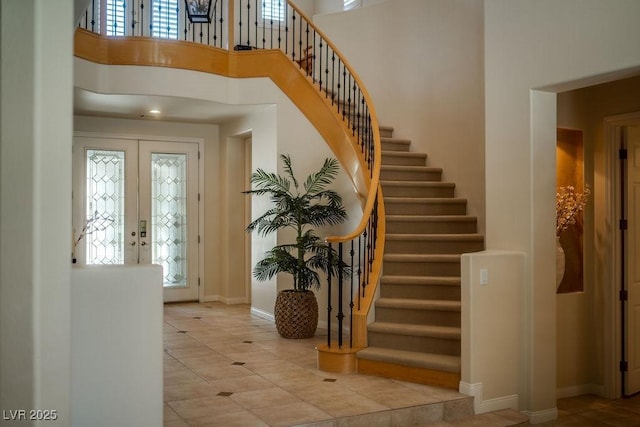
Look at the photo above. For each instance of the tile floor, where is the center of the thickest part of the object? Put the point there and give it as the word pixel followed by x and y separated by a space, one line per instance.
pixel 226 367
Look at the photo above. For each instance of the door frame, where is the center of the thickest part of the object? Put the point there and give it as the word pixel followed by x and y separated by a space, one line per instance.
pixel 201 182
pixel 613 275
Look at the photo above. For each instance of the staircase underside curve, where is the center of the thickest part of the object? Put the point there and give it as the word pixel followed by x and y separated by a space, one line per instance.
pixel 271 63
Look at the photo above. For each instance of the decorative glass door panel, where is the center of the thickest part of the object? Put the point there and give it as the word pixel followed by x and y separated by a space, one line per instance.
pixel 169 216
pixel 169 211
pixel 138 204
pixel 104 229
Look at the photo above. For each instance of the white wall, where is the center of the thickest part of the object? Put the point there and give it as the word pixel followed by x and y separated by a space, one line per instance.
pixel 116 351
pixel 422 63
pixel 492 339
pixel 35 178
pixel 541 44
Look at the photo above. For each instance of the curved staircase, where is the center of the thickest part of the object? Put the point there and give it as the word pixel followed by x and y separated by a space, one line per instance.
pixel 416 333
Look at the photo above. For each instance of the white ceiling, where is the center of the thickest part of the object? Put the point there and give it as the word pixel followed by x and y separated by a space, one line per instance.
pixel 172 108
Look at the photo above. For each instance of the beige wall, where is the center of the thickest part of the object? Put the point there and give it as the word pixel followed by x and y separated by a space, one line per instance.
pixel 532 49
pixel 422 63
pixel 35 206
pixel 583 347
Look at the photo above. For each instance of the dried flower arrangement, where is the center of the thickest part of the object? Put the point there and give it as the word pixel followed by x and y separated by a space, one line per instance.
pixel 93 224
pixel 568 205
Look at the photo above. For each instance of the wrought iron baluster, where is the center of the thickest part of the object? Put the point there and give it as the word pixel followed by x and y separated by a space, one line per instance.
pixel 93 15
pixel 248 20
pixel 351 253
pixel 255 23
pixel 329 308
pixel 313 58
pixel 280 27
pixel 326 71
pixel 333 75
pixel 320 65
pixel 293 34
pixel 264 28
pixel 360 257
pixel 340 287
pixel 286 27
pixel 142 19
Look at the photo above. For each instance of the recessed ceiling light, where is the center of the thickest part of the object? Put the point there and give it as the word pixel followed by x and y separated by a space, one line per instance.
pixel 154 111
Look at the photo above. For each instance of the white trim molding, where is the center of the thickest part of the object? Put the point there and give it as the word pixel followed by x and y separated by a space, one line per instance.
pixel 481 406
pixel 537 417
pixel 263 314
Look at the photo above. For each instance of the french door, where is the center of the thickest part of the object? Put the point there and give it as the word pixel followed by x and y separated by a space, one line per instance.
pixel 136 202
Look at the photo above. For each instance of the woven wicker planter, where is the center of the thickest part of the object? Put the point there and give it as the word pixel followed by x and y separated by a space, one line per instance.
pixel 296 314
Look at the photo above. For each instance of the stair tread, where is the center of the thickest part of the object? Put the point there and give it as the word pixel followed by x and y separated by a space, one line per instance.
pixel 418 304
pixel 403 153
pixel 432 218
pixel 434 331
pixel 422 257
pixel 436 237
pixel 395 140
pixel 451 200
pixel 405 168
pixel 416 183
pixel 421 280
pixel 439 362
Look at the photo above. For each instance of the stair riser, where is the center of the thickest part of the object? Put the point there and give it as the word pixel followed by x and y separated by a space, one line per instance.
pixel 449 347
pixel 392 208
pixel 430 227
pixel 417 191
pixel 418 317
pixel 395 146
pixel 436 292
pixel 450 269
pixel 410 175
pixel 431 247
pixel 386 133
pixel 404 161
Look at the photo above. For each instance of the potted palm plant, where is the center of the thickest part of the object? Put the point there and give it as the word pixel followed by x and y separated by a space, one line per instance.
pixel 299 209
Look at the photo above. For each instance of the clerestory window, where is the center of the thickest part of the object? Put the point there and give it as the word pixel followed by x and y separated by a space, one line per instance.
pixel 116 12
pixel 164 19
pixel 351 4
pixel 162 15
pixel 273 10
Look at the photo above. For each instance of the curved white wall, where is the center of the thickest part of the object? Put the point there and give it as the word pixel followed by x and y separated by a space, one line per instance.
pixel 421 61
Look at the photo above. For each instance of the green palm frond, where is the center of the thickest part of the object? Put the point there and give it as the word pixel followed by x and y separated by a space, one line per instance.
pixel 287 167
pixel 318 181
pixel 317 206
pixel 268 182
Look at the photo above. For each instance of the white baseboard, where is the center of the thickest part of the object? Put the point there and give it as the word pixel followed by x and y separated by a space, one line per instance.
pixel 263 314
pixel 579 390
pixel 543 416
pixel 481 406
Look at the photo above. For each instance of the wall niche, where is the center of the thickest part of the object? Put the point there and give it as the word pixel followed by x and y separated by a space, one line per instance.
pixel 570 171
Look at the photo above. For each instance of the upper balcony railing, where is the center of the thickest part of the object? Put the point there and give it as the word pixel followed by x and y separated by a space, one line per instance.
pixel 247 25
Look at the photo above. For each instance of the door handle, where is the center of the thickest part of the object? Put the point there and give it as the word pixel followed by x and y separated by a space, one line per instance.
pixel 143 243
pixel 133 243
